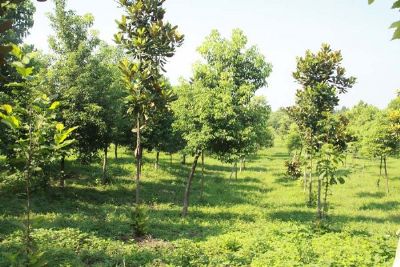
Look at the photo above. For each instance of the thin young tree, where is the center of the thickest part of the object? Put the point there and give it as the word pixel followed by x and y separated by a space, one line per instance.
pixel 148 40
pixel 322 78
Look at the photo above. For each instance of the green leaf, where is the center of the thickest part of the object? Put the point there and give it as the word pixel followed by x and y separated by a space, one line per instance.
pixel 16 51
pixel 370 1
pixel 396 34
pixel 396 4
pixel 55 105
pixel 14 84
pixel 7 108
pixel 11 121
pixel 395 25
pixel 59 127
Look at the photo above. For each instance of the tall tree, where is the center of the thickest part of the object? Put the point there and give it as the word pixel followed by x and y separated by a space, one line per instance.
pixel 148 41
pixel 16 18
pixel 73 78
pixel 237 71
pixel 217 110
pixel 322 79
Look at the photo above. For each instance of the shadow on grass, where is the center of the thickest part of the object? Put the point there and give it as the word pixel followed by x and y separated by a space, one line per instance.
pixel 310 216
pixel 285 181
pixel 385 206
pixel 371 194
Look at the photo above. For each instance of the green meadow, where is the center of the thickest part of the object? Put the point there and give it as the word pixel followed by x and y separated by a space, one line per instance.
pixel 259 219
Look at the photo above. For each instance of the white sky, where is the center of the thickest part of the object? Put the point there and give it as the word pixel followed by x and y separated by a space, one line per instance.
pixel 282 29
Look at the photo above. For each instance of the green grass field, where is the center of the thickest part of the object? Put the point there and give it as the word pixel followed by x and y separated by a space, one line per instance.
pixel 260 219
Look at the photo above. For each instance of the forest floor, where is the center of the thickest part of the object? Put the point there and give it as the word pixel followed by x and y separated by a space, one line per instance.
pixel 259 219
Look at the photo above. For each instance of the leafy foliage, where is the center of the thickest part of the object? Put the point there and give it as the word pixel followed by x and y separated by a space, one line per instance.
pixel 395 25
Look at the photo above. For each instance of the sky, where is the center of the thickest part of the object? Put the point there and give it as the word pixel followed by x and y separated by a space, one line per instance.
pixel 282 29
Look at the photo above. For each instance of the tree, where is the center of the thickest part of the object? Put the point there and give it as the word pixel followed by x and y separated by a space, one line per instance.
pixel 361 121
pixel 148 41
pixel 280 122
pixel 327 169
pixel 322 78
pixel 16 18
pixel 78 79
pixel 217 111
pixel 39 136
pixel 195 108
pixel 294 145
pixel 383 140
pixel 237 72
pixel 107 92
pixel 160 136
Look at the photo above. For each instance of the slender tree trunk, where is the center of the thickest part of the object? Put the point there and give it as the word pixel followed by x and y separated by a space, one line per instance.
pixel 62 172
pixel 244 164
pixel 138 155
pixel 380 172
pixel 325 208
pixel 241 165
pixel 310 196
pixel 202 175
pixel 157 160
pixel 170 158
pixel 189 185
pixel 305 179
pixel 105 160
pixel 386 175
pixel 236 171
pixel 183 162
pixel 28 192
pixel 319 207
pixel 116 151
pixel 232 172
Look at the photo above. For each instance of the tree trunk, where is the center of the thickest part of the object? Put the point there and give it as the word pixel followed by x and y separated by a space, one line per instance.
pixel 170 159
pixel 28 194
pixel 319 207
pixel 236 171
pixel 183 162
pixel 244 164
pixel 305 179
pixel 386 175
pixel 241 166
pixel 138 155
pixel 62 171
pixel 116 151
pixel 233 170
pixel 310 196
pixel 157 160
pixel 380 172
pixel 105 160
pixel 189 185
pixel 202 175
pixel 325 207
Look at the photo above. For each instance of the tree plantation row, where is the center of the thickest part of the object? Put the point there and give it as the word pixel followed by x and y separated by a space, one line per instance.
pixel 86 97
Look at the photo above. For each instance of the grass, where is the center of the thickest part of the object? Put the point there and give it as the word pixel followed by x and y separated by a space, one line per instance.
pixel 260 219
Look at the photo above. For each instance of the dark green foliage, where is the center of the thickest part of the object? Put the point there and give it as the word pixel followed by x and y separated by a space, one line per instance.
pixel 16 18
pixel 138 220
pixel 80 80
pixel 293 168
pixel 322 78
pixel 148 41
